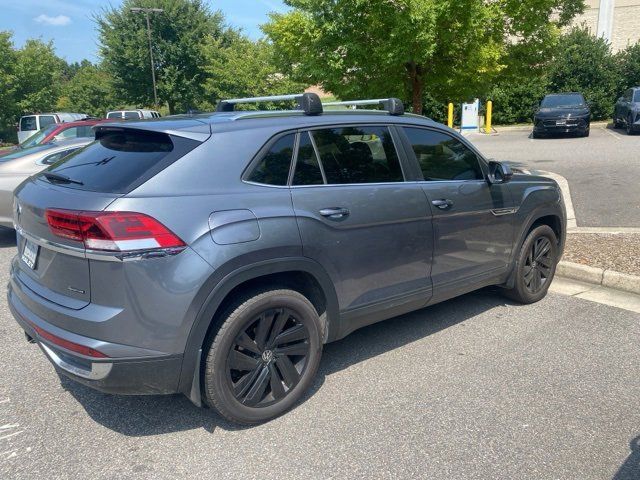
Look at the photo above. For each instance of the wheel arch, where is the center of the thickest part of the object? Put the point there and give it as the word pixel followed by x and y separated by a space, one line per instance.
pixel 301 274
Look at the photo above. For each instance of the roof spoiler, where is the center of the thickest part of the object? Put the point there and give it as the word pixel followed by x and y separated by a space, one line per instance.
pixel 309 103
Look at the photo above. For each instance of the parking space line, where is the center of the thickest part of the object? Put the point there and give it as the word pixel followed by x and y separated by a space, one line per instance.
pixel 614 135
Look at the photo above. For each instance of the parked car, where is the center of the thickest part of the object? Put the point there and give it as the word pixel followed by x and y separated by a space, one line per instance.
pixel 627 111
pixel 562 113
pixel 132 114
pixel 30 124
pixel 61 131
pixel 215 254
pixel 20 164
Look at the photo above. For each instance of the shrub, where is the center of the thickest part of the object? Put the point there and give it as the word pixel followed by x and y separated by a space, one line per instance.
pixel 629 65
pixel 515 99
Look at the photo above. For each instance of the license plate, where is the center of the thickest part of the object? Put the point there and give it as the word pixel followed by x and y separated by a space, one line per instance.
pixel 30 254
pixel 561 122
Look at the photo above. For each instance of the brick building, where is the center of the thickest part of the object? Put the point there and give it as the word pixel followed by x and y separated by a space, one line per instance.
pixel 616 20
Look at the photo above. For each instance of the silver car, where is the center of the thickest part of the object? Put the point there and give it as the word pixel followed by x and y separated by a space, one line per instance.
pixel 17 166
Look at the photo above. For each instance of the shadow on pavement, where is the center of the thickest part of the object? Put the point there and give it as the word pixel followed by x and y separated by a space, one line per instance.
pixel 153 415
pixel 630 469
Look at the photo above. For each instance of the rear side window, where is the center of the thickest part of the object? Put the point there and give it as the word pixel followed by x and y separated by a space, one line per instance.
pixel 121 160
pixel 361 154
pixel 130 115
pixel 28 123
pixel 307 167
pixel 273 168
pixel 46 120
pixel 114 115
pixel 636 97
pixel 442 157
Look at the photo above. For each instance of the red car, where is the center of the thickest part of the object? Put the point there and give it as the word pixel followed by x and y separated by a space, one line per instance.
pixel 62 131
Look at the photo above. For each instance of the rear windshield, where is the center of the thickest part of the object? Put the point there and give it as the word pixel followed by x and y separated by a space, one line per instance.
pixel 130 115
pixel 121 160
pixel 114 115
pixel 571 100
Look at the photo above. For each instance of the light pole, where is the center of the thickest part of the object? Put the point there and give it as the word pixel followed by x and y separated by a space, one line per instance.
pixel 147 11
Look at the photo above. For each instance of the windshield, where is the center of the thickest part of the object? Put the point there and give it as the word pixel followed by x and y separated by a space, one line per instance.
pixel 37 138
pixel 636 97
pixel 571 100
pixel 25 152
pixel 28 123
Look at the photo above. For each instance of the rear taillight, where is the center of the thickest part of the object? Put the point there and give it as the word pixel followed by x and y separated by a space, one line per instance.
pixel 112 231
pixel 74 347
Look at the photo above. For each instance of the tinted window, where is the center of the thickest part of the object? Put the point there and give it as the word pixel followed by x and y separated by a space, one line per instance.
pixel 307 167
pixel 121 160
pixel 130 115
pixel 274 167
pixel 114 115
pixel 358 155
pixel 571 100
pixel 26 151
pixel 28 123
pixel 636 97
pixel 46 120
pixel 443 157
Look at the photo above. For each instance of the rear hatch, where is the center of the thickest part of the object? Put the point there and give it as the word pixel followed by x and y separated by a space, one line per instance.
pixel 54 265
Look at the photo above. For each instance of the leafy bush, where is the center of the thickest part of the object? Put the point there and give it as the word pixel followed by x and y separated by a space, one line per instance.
pixel 584 63
pixel 629 65
pixel 515 99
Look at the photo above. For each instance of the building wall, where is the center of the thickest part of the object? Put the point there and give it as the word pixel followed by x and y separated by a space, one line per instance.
pixel 626 21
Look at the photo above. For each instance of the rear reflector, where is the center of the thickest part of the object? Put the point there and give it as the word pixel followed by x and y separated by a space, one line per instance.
pixel 74 347
pixel 112 231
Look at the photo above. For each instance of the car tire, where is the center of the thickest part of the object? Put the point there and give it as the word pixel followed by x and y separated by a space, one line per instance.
pixel 263 357
pixel 586 132
pixel 535 266
pixel 617 123
pixel 535 135
pixel 630 126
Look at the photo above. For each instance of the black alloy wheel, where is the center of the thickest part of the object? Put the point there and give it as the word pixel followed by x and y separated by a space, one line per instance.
pixel 267 358
pixel 538 265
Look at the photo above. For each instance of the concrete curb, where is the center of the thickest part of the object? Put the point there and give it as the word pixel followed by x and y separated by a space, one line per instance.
pixel 599 276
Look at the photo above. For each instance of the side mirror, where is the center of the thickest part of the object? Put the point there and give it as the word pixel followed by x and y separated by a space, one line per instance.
pixel 499 172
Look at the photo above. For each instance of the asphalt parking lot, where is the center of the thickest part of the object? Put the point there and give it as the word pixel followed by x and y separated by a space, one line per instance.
pixel 602 170
pixel 476 387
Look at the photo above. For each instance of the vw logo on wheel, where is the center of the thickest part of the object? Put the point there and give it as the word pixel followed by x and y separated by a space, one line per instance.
pixel 267 356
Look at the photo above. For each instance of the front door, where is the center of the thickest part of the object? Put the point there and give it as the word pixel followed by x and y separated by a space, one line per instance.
pixel 357 218
pixel 472 220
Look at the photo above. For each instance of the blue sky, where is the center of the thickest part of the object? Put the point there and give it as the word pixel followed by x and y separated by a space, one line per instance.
pixel 68 22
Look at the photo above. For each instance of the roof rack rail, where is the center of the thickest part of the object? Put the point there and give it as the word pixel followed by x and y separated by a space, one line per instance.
pixel 309 103
pixel 392 105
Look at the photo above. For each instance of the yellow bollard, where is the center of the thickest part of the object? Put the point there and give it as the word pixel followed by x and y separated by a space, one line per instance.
pixel 450 117
pixel 489 112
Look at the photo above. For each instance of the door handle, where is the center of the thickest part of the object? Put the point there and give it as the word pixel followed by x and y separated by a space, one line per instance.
pixel 335 213
pixel 443 203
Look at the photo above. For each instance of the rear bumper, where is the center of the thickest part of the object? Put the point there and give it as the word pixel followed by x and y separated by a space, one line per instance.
pixel 128 375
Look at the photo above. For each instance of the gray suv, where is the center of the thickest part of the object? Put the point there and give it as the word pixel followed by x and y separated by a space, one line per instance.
pixel 215 254
pixel 627 111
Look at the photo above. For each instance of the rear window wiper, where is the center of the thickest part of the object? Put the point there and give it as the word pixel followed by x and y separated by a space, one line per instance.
pixel 56 177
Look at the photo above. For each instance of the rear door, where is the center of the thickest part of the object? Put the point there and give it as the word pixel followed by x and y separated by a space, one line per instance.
pixel 473 220
pixel 357 217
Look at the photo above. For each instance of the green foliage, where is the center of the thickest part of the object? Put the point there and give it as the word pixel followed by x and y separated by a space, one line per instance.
pixel 7 87
pixel 584 63
pixel 516 98
pixel 177 38
pixel 371 48
pixel 38 74
pixel 629 67
pixel 243 68
pixel 89 91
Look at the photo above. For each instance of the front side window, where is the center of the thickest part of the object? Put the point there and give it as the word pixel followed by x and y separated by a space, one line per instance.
pixel 442 157
pixel 273 168
pixel 67 133
pixel 636 97
pixel 361 154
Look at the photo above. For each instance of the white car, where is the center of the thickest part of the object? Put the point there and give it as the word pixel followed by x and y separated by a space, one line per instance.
pixel 132 114
pixel 30 124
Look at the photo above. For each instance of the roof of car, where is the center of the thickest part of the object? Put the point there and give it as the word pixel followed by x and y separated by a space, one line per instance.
pixel 239 120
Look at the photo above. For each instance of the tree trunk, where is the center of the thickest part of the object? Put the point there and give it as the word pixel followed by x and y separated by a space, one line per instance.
pixel 417 87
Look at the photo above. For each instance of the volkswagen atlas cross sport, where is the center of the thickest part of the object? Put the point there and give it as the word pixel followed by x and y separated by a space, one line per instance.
pixel 215 254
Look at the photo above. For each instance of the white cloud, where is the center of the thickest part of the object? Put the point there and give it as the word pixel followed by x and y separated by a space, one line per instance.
pixel 58 21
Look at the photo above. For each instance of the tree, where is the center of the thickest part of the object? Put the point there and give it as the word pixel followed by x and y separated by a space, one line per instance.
pixel 37 77
pixel 400 47
pixel 243 68
pixel 8 110
pixel 89 91
pixel 629 62
pixel 584 63
pixel 177 37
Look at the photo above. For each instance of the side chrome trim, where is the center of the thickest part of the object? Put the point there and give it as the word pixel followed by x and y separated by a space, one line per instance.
pixel 498 212
pixel 99 254
pixel 98 370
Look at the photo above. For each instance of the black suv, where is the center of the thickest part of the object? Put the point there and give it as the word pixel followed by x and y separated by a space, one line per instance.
pixel 215 254
pixel 562 113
